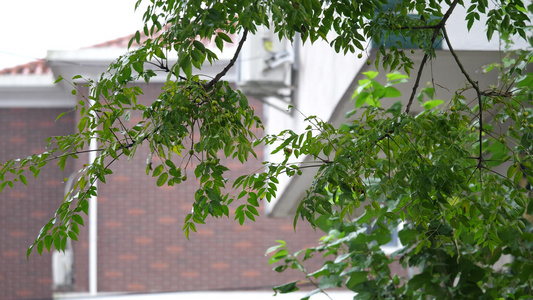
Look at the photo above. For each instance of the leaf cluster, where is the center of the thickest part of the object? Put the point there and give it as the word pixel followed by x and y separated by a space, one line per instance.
pixel 433 173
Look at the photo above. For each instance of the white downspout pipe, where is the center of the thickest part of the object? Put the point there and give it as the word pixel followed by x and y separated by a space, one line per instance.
pixel 93 223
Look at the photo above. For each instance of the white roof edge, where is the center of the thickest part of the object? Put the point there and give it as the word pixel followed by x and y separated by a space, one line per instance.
pixel 112 53
pixel 92 62
pixel 39 90
pixel 219 295
pixel 37 103
pixel 88 54
pixel 29 80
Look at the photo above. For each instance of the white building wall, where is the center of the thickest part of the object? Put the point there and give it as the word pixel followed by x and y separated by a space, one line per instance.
pixel 475 38
pixel 322 77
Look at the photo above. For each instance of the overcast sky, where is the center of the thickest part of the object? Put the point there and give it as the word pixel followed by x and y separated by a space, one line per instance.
pixel 28 28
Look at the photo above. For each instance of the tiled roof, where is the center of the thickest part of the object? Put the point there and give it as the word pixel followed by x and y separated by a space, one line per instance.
pixel 35 67
pixel 121 42
pixel 40 66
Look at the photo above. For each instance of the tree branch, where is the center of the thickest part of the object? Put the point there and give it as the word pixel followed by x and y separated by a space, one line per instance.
pixel 420 27
pixel 211 83
pixel 438 27
pixel 454 54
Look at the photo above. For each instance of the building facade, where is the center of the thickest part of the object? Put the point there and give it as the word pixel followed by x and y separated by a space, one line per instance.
pixel 140 245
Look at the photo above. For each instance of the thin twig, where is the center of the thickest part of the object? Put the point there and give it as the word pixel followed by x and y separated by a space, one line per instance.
pixel 480 102
pixel 417 81
pixel 438 27
pixel 420 27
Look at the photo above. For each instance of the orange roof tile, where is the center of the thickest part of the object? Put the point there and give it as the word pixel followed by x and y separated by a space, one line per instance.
pixel 35 67
pixel 41 67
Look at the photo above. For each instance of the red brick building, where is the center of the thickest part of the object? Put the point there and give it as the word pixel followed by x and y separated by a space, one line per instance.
pixel 141 248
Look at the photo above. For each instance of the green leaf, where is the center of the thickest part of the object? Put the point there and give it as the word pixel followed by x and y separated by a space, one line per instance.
pixel 61 114
pixel 197 58
pixel 525 81
pixel 159 53
pixel 158 170
pixel 392 92
pixel 59 79
pixel 432 104
pixel 199 45
pixel 137 37
pixel 78 219
pixel 225 37
pixel 407 236
pixel 123 99
pixel 57 242
pixel 82 123
pixel 73 236
pixel 48 242
pixel 282 244
pixel 281 254
pixel 397 77
pixel 371 74
pixel 170 164
pixel 124 75
pixel 162 179
pixel 64 243
pixel 75 228
pixel 40 247
pixel 219 43
pixel 23 179
pixel 138 66
pixel 331 281
pixel 186 66
pixel 253 210
pixel 356 278
pixel 419 281
pixel 511 171
pixel 286 288
pixel 84 204
pixel 362 98
pixel 395 109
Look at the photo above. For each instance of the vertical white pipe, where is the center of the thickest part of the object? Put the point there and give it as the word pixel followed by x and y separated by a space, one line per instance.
pixel 93 224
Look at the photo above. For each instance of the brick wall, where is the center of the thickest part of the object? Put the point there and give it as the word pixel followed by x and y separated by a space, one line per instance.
pixel 141 246
pixel 24 210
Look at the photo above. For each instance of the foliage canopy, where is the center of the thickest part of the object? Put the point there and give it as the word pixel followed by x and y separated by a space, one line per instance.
pixel 433 172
